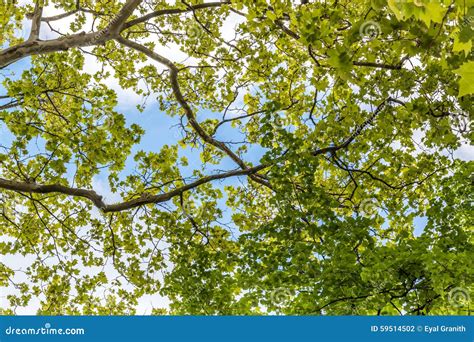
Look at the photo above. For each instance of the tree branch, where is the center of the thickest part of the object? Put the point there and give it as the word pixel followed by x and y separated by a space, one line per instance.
pixel 97 200
pixel 34 47
pixel 59 16
pixel 79 8
pixel 117 23
pixel 36 22
pixel 358 130
pixel 25 187
pixel 173 70
pixel 174 11
pixel 378 65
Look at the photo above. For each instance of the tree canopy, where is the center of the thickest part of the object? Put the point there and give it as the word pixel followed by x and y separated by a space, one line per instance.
pixel 319 167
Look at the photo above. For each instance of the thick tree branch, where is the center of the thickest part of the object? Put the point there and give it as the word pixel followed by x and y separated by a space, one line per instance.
pixel 25 187
pixel 117 23
pixel 97 200
pixel 36 22
pixel 30 48
pixel 34 47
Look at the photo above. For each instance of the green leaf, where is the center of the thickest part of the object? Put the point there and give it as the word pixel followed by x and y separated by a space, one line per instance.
pixel 466 82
